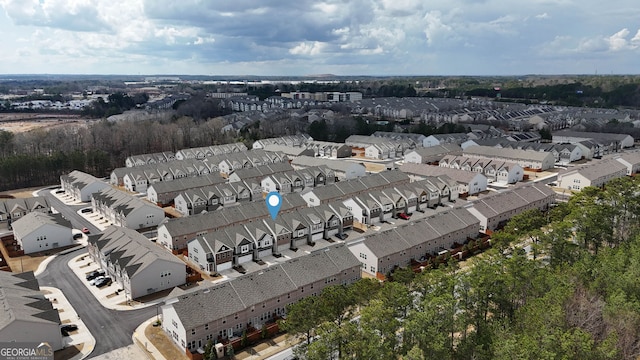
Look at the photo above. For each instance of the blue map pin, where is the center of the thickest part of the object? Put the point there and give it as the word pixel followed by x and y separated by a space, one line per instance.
pixel 274 201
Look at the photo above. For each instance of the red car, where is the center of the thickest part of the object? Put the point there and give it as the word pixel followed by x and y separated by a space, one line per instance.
pixel 85 231
pixel 404 216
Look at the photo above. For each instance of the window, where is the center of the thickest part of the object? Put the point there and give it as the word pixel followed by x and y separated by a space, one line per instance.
pixel 206 327
pixel 193 331
pixel 300 233
pixel 364 256
pixel 244 249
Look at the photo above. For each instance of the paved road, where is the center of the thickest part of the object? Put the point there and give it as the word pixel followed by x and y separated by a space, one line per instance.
pixel 69 212
pixel 111 329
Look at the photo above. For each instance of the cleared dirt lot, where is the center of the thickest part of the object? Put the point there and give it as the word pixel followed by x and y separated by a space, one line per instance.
pixel 23 122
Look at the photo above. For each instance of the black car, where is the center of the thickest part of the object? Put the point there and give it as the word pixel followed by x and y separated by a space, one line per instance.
pixel 67 328
pixel 342 236
pixel 103 282
pixel 94 274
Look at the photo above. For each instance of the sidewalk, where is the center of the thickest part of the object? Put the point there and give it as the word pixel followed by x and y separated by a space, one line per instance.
pixel 83 264
pixel 82 337
pixel 140 339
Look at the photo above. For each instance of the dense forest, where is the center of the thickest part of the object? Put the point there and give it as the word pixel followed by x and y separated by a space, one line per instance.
pixel 39 157
pixel 574 295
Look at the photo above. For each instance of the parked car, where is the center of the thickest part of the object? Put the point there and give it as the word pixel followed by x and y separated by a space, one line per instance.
pixel 85 231
pixel 86 210
pixel 105 281
pixel 67 328
pixel 96 279
pixel 342 236
pixel 404 216
pixel 77 236
pixel 60 191
pixel 94 274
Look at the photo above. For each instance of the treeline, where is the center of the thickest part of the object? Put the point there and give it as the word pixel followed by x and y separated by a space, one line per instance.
pixel 30 170
pixel 116 103
pixel 199 107
pixel 367 88
pixel 575 295
pixel 38 157
pixel 574 94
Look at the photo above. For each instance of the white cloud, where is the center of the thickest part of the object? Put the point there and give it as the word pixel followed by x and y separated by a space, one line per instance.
pixel 359 35
pixel 314 48
pixel 435 28
pixel 618 40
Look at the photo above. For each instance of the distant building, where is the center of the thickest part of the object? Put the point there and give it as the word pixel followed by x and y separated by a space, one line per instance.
pixel 496 210
pixel 593 174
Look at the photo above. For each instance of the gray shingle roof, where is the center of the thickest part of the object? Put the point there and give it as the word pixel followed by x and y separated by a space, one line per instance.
pixel 213 303
pixel 20 298
pixel 131 250
pixel 34 220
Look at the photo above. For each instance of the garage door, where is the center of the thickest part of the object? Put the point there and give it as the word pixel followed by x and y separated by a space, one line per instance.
pixel 284 247
pixel 411 209
pixel 333 232
pixel 265 252
pixel 318 236
pixel 224 266
pixel 387 216
pixel 245 258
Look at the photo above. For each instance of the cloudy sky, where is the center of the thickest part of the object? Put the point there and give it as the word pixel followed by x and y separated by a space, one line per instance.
pixel 303 37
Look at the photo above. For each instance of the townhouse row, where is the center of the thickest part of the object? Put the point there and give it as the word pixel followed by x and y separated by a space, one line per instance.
pixel 378 147
pixel 224 248
pixel 209 198
pixel 313 148
pixel 174 234
pixel 469 183
pixel 224 311
pixel 190 153
pixel 138 179
pixel 599 173
pixel 137 265
pixel 126 210
pixel 13 209
pixel 81 185
pixel 381 253
pixel 500 171
pixel 533 160
pixel 562 153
